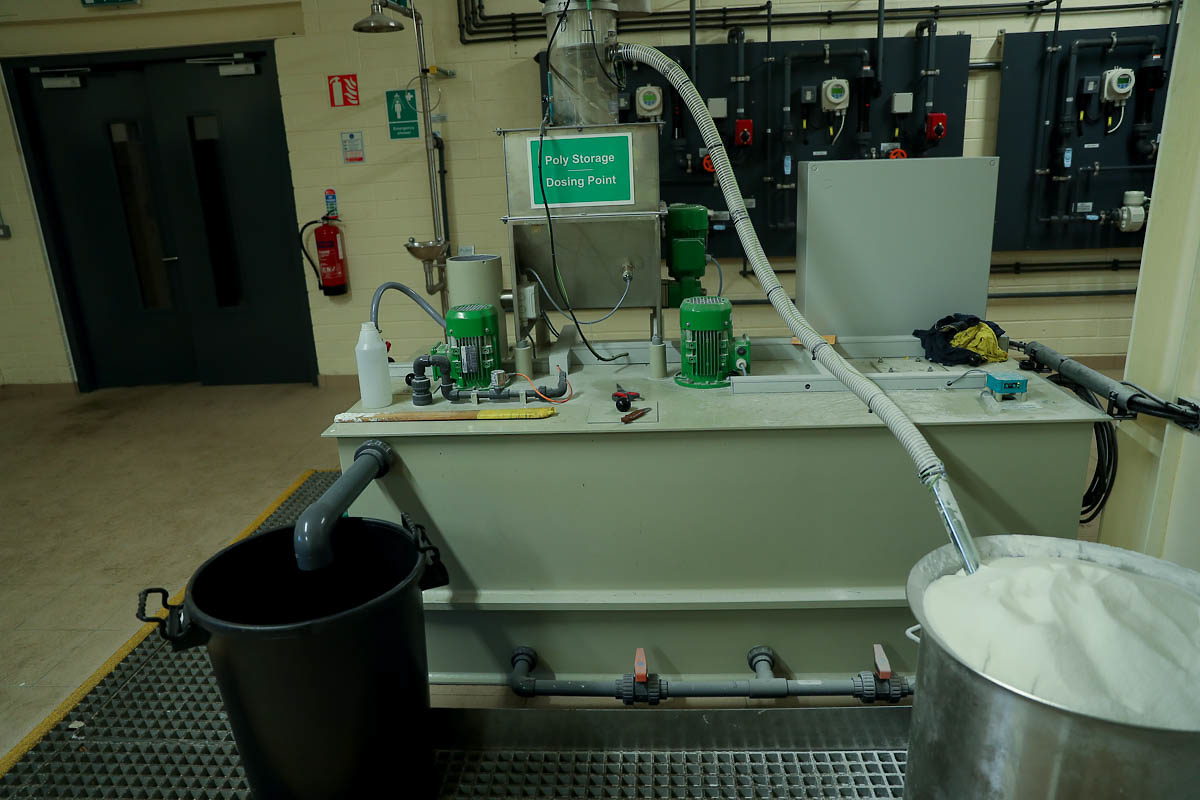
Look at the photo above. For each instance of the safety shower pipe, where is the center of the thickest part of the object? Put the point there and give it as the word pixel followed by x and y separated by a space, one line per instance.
pixel 435 200
pixel 930 469
pixel 312 536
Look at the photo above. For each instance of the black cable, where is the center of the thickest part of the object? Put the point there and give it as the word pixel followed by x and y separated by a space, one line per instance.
pixel 546 205
pixel 1105 476
pixel 596 50
pixel 549 324
pixel 304 249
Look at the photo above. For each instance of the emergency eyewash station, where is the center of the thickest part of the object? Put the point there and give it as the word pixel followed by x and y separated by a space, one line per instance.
pixel 768 494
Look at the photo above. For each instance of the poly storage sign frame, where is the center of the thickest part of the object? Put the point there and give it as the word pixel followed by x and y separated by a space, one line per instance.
pixel 588 169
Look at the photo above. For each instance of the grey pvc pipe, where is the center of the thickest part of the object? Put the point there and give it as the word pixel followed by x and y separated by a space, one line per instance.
pixel 1068 108
pixel 930 469
pixel 1172 32
pixel 314 529
pixel 692 35
pixel 741 62
pixel 879 48
pixel 416 298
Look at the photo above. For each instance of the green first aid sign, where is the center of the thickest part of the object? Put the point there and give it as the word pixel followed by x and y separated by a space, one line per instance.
pixel 402 114
pixel 584 170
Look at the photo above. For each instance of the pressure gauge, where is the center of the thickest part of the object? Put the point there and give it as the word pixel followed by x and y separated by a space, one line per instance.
pixel 835 94
pixel 1118 85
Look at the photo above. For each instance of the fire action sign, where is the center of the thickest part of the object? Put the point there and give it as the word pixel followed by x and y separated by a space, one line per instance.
pixel 582 170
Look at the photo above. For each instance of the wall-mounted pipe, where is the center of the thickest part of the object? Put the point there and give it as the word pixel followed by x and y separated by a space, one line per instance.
pixel 930 72
pixel 879 49
pixel 737 37
pixel 1067 119
pixel 1172 32
pixel 692 37
pixel 1040 169
pixel 474 26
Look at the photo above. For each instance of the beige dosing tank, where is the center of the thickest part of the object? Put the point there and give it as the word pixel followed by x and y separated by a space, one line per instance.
pixel 477 279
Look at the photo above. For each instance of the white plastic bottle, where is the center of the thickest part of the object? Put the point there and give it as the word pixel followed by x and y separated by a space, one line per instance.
pixel 374 381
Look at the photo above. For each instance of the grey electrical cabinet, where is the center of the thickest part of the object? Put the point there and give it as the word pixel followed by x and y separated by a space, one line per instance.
pixel 887 246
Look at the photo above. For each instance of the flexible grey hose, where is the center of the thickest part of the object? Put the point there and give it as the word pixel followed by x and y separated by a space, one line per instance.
pixel 416 298
pixel 930 469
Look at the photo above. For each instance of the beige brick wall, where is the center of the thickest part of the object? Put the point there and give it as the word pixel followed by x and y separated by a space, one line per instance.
pixel 32 346
pixel 385 200
pixel 495 88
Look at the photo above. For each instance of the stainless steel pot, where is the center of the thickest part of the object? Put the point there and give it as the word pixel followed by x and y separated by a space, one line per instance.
pixel 975 737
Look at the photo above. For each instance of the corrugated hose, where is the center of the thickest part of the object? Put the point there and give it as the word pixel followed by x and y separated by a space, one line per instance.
pixel 930 469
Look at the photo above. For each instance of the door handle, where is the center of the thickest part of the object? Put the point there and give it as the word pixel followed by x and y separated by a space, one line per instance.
pixel 170 258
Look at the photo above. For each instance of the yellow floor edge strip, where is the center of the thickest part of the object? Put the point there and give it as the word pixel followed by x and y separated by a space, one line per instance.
pixel 56 716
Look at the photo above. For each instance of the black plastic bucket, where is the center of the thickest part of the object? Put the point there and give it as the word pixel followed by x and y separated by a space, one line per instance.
pixel 323 673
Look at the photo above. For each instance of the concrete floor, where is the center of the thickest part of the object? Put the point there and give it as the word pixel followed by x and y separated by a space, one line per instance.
pixel 107 493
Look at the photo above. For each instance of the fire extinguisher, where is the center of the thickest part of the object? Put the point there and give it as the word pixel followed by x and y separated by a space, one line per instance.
pixel 330 266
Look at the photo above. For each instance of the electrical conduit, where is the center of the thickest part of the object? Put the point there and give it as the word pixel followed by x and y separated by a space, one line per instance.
pixel 930 469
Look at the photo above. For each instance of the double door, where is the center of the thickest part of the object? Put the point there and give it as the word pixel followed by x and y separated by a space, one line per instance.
pixel 166 198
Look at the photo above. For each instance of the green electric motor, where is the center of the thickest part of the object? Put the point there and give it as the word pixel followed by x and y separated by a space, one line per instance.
pixel 686 251
pixel 709 351
pixel 472 345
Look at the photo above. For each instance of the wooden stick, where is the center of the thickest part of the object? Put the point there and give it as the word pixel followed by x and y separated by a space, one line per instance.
pixel 446 416
pixel 829 337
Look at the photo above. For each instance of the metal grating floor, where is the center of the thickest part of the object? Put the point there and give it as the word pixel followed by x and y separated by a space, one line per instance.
pixel 155 729
pixel 672 774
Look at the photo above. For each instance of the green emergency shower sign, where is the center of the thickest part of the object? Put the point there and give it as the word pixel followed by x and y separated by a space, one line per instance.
pixel 584 170
pixel 402 114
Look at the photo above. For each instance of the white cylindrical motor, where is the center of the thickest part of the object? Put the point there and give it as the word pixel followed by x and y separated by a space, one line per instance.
pixel 477 279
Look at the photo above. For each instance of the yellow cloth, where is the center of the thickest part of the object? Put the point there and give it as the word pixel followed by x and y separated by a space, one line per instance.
pixel 980 339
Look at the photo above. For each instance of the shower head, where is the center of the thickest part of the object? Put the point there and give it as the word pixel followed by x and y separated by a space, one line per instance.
pixel 377 22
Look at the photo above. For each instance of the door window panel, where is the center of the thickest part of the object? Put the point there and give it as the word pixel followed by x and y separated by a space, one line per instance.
pixel 218 225
pixel 141 218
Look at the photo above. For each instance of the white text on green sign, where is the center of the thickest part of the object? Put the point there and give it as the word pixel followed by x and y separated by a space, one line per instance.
pixel 582 170
pixel 402 114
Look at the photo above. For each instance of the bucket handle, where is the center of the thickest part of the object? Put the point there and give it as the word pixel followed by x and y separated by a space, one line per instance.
pixel 175 627
pixel 914 633
pixel 435 574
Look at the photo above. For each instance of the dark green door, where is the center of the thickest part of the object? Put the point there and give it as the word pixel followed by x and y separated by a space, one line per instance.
pixel 171 197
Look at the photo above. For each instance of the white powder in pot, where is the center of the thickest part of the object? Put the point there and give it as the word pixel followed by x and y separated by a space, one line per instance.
pixel 1090 638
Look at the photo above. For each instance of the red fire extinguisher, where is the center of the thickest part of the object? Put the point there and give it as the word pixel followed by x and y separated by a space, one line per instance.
pixel 330 266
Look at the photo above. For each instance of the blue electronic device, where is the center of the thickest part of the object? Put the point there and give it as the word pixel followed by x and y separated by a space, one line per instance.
pixel 1006 385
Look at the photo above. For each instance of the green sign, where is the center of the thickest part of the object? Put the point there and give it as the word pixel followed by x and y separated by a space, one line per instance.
pixel 582 170
pixel 402 114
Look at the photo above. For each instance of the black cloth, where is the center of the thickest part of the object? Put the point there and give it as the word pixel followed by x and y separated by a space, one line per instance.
pixel 936 340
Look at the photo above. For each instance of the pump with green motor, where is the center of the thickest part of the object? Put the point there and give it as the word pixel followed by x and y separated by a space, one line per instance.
pixel 708 349
pixel 686 251
pixel 472 345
